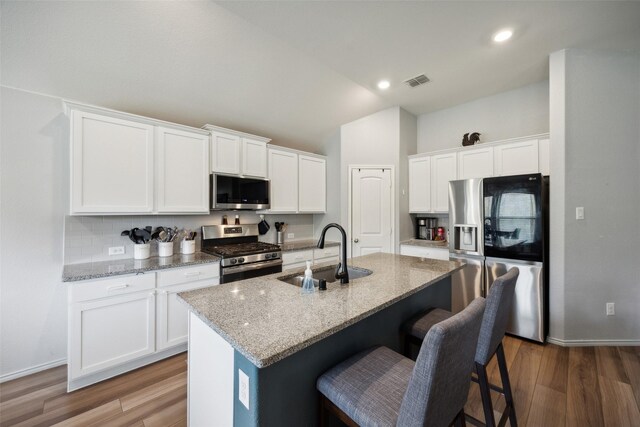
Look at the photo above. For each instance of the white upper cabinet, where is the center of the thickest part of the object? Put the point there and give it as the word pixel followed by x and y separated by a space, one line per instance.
pixel 182 173
pixel 225 153
pixel 443 170
pixel 127 164
pixel 475 163
pixel 111 164
pixel 420 184
pixel 237 153
pixel 254 158
pixel 312 184
pixel 516 158
pixel 283 174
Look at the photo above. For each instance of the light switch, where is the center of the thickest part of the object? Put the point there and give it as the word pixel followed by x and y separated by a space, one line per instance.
pixel 580 212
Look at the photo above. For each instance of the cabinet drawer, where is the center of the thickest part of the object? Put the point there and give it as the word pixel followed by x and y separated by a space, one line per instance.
pixel 329 252
pixel 188 274
pixel 424 252
pixel 297 257
pixel 84 291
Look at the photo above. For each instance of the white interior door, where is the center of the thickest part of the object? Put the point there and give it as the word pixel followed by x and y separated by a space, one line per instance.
pixel 371 219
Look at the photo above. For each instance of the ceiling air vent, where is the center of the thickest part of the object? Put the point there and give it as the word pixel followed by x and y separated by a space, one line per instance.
pixel 417 80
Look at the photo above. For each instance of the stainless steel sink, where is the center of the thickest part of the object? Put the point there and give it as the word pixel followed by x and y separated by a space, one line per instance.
pixel 326 273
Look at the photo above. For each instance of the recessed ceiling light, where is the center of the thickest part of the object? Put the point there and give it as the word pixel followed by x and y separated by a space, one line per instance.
pixel 502 35
pixel 383 84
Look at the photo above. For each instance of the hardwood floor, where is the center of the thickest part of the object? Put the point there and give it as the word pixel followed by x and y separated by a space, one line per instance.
pixel 553 386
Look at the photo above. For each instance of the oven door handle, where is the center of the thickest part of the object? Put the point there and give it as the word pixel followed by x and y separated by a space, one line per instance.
pixel 250 267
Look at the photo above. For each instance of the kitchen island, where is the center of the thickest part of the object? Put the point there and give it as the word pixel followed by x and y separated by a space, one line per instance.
pixel 257 346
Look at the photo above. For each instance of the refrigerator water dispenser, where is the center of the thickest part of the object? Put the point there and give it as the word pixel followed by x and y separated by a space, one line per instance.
pixel 465 237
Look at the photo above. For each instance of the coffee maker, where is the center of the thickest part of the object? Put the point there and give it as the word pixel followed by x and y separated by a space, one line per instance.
pixel 426 228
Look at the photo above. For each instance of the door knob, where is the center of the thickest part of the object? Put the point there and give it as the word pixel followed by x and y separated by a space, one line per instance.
pixel 355 240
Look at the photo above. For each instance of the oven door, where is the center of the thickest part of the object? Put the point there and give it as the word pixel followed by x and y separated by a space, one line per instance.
pixel 257 269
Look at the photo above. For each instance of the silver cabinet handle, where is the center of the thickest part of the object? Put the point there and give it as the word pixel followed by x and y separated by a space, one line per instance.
pixel 117 287
pixel 356 240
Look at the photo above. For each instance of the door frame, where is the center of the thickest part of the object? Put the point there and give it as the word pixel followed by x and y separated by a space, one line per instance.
pixel 350 202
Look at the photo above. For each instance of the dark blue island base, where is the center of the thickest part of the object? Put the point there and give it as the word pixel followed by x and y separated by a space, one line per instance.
pixel 284 393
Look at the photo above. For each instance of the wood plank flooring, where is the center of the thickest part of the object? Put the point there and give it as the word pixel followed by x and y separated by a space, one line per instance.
pixel 553 386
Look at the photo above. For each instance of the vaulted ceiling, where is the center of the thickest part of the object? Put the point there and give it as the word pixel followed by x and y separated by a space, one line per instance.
pixel 293 71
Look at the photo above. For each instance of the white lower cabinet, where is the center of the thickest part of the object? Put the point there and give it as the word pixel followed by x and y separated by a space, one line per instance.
pixel 125 322
pixel 111 331
pixel 328 254
pixel 425 252
pixel 296 259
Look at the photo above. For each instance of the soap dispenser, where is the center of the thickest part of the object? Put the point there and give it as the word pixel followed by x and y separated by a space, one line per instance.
pixel 307 282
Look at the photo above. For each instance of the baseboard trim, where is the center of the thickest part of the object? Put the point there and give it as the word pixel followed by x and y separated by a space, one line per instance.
pixel 32 370
pixel 592 343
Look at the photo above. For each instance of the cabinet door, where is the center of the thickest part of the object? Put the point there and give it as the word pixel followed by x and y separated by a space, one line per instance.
pixel 312 191
pixel 182 172
pixel 254 158
pixel 420 184
pixel 443 170
pixel 110 331
pixel 173 315
pixel 283 174
pixel 112 165
pixel 543 156
pixel 225 153
pixel 475 163
pixel 516 158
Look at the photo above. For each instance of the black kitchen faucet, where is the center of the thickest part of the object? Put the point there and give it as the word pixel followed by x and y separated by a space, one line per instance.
pixel 342 272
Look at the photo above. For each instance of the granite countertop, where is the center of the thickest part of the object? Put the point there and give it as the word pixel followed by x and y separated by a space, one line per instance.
pixel 299 245
pixel 427 243
pixel 96 270
pixel 267 320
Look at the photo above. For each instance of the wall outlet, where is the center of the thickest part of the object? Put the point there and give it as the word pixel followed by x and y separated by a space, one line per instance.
pixel 611 309
pixel 290 235
pixel 116 250
pixel 579 212
pixel 243 388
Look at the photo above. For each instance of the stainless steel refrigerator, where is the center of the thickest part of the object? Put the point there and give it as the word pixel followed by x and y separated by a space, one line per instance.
pixel 511 232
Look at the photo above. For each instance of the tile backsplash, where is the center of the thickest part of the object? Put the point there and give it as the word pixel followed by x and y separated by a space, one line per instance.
pixel 88 238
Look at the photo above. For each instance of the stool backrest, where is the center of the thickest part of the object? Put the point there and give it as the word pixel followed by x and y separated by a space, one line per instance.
pixel 440 381
pixel 496 315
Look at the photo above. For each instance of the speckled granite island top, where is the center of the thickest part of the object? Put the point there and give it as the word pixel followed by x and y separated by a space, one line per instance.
pixel 300 245
pixel 267 320
pixel 96 270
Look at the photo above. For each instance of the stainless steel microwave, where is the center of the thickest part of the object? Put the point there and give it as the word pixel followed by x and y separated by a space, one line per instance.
pixel 232 192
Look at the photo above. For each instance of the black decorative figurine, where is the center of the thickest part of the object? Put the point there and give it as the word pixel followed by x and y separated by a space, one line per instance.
pixel 470 139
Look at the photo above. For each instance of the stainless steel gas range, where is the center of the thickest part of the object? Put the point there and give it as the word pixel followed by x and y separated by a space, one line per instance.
pixel 242 255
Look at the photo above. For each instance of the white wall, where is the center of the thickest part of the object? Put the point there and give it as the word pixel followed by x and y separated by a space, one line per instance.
pixel 380 139
pixel 33 201
pixel 519 112
pixel 331 149
pixel 599 143
pixel 371 140
pixel 407 147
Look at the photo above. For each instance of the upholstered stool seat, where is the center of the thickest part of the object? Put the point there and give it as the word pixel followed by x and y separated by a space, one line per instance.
pixel 379 387
pixel 369 386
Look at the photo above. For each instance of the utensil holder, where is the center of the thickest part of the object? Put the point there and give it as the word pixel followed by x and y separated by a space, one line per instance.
pixel 279 237
pixel 165 249
pixel 141 251
pixel 188 247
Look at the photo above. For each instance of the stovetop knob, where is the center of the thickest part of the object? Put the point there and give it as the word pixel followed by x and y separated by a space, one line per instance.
pixel 240 260
pixel 233 260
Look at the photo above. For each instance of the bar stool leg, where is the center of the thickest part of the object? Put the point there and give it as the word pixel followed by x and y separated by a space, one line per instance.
pixel 459 420
pixel 506 386
pixel 485 393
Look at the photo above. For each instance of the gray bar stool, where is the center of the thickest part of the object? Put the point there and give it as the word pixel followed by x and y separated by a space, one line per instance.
pixel 379 387
pixel 494 326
